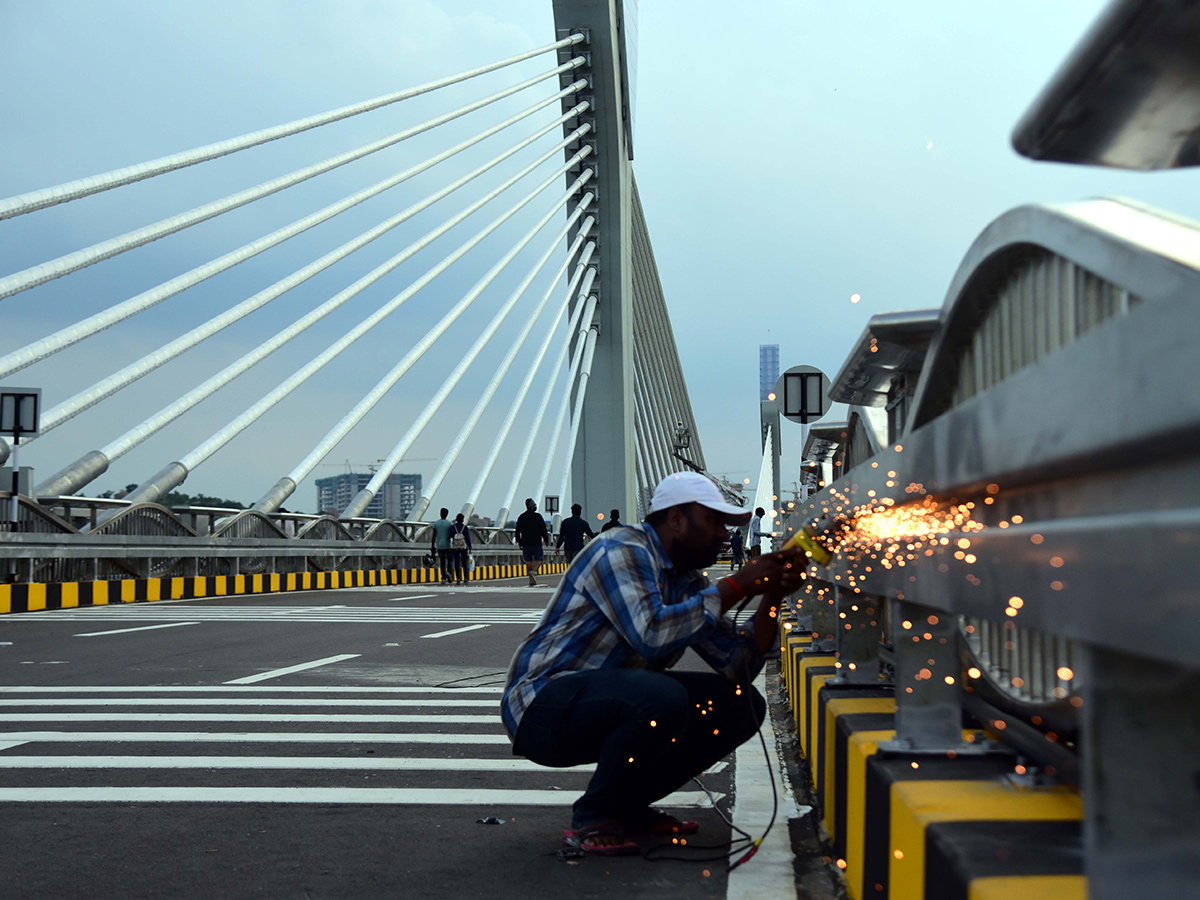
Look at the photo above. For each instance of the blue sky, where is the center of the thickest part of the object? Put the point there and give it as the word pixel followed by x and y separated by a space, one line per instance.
pixel 788 154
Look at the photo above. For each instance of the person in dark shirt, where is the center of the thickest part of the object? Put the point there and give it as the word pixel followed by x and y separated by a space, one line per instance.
pixel 614 521
pixel 572 533
pixel 460 549
pixel 736 546
pixel 532 536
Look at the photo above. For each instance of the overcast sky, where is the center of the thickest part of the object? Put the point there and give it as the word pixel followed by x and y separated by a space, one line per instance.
pixel 789 155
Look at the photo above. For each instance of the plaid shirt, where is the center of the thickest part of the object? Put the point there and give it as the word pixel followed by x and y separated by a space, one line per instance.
pixel 622 604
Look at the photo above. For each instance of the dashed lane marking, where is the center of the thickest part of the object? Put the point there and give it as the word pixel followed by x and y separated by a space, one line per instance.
pixel 276 673
pixel 441 634
pixel 129 630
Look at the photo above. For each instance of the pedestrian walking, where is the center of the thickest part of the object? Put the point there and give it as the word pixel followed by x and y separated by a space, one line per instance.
pixel 532 536
pixel 614 520
pixel 440 544
pixel 573 533
pixel 736 547
pixel 460 549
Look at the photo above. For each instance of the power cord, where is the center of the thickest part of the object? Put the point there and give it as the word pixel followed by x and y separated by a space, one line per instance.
pixel 746 844
pixel 766 757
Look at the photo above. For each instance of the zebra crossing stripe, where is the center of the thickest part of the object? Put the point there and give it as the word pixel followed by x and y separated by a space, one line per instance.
pixel 341 718
pixel 389 796
pixel 320 763
pixel 249 737
pixel 45 702
pixel 241 689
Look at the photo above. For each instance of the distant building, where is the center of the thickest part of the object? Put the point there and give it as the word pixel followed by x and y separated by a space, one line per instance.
pixel 399 494
pixel 768 369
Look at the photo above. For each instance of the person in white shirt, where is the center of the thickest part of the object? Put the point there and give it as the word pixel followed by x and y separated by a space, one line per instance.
pixel 756 533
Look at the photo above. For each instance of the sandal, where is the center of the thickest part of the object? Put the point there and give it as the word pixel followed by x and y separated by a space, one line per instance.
pixel 656 822
pixel 579 838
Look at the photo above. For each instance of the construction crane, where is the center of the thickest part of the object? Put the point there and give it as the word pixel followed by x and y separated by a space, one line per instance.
pixel 374 466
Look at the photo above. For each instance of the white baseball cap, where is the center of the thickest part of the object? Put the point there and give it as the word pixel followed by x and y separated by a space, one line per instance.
pixel 692 487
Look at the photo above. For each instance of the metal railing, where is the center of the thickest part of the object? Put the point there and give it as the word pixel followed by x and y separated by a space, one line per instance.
pixel 60 542
pixel 1031 533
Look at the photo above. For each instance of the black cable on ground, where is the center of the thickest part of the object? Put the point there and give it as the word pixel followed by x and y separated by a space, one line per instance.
pixel 746 843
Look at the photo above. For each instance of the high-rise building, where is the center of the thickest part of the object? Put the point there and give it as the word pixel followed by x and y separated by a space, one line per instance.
pixel 768 369
pixel 399 494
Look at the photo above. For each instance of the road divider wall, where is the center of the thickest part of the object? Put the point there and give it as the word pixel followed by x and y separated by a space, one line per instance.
pixel 16 598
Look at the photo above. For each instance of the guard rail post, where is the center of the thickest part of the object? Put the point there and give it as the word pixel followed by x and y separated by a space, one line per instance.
pixel 857 629
pixel 928 692
pixel 1141 731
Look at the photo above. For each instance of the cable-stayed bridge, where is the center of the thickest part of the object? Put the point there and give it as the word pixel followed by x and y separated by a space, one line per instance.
pixel 992 681
pixel 548 224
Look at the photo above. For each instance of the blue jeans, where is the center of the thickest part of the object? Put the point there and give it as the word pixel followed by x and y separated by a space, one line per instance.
pixel 649 733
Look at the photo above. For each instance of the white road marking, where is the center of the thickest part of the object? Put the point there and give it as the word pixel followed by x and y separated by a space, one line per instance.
pixel 8 745
pixel 275 673
pixel 322 763
pixel 392 796
pixel 45 702
pixel 339 614
pixel 140 628
pixel 454 631
pixel 411 597
pixel 248 717
pixel 232 688
pixel 771 873
pixel 260 737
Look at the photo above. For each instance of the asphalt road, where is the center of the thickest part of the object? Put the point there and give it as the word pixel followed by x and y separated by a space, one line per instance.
pixel 183 749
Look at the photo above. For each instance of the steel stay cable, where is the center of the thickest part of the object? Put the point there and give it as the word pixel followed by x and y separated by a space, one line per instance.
pixel 73 334
pixel 657 415
pixel 560 418
pixel 658 382
pixel 589 310
pixel 385 469
pixel 646 452
pixel 105 388
pixel 235 427
pixel 485 398
pixel 73 262
pixel 531 374
pixel 82 187
pixel 177 472
pixel 576 415
pixel 653 411
pixel 376 393
pixel 660 321
pixel 69 479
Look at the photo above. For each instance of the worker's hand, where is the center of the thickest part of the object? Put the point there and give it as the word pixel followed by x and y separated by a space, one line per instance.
pixel 781 572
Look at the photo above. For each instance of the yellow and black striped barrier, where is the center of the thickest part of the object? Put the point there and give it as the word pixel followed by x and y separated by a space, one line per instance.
pixel 920 826
pixel 17 598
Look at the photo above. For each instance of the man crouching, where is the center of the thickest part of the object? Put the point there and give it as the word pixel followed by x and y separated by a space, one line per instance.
pixel 590 684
